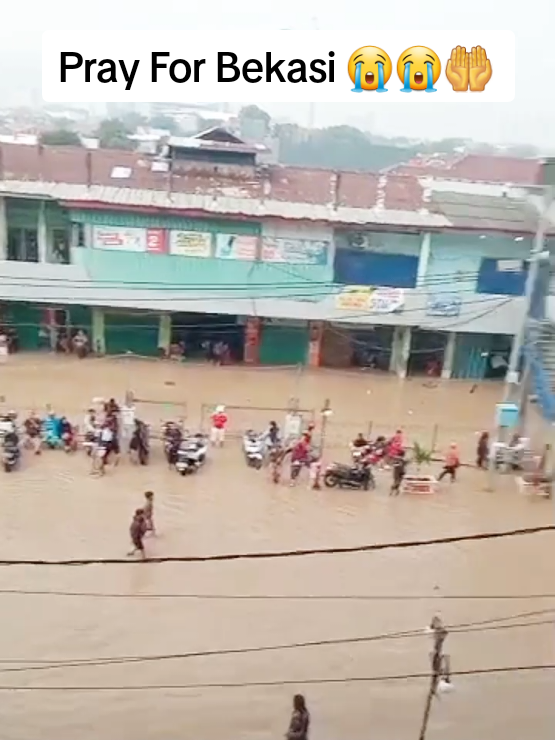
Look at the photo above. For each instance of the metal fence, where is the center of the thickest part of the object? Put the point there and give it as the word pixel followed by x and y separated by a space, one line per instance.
pixel 242 418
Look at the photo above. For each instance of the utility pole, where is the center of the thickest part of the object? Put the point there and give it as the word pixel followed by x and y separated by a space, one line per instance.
pixel 440 670
pixel 514 390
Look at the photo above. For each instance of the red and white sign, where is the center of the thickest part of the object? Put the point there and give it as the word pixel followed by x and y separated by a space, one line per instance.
pixel 119 239
pixel 156 241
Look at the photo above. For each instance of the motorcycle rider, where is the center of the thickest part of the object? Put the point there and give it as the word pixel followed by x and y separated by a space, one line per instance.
pixel 359 441
pixel 173 436
pixel 299 457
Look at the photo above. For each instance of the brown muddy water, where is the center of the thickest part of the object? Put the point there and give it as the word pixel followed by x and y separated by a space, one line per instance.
pixel 53 508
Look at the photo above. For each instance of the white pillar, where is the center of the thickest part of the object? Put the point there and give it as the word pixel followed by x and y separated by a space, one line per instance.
pixel 3 230
pixel 42 233
pixel 513 376
pixel 424 259
pixel 449 355
pixel 400 351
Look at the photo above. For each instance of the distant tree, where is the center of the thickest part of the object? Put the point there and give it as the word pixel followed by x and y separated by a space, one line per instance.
pixel 254 122
pixel 166 123
pixel 113 133
pixel 60 137
pixel 132 120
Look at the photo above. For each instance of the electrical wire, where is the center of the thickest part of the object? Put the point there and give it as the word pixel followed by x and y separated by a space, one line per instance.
pixel 283 682
pixel 493 624
pixel 271 555
pixel 446 278
pixel 277 597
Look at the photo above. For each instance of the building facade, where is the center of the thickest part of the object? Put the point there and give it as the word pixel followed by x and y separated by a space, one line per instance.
pixel 405 273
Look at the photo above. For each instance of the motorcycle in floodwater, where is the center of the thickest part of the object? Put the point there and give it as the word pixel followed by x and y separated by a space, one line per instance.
pixel 339 475
pixel 10 453
pixel 253 449
pixel 191 455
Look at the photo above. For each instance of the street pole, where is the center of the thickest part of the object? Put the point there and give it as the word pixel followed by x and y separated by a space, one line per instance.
pixel 439 670
pixel 514 389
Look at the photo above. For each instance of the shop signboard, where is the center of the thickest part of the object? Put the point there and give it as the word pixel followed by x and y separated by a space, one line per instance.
pixel 370 300
pixel 236 247
pixel 120 239
pixel 190 243
pixel 295 251
pixel 444 304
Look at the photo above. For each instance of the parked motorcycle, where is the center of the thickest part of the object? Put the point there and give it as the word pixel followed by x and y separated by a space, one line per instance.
pixel 339 475
pixel 253 448
pixel 191 454
pixel 10 453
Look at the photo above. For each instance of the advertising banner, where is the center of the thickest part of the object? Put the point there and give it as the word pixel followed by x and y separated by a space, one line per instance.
pixel 119 238
pixel 370 300
pixel 236 247
pixel 444 304
pixel 190 243
pixel 295 251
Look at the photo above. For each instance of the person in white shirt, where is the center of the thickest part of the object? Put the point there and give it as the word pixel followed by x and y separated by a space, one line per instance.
pixel 127 416
pixel 3 346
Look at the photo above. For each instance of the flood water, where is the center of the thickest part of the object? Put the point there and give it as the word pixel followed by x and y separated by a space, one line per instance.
pixel 52 508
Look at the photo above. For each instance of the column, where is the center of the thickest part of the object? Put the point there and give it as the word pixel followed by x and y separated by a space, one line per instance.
pixel 3 230
pixel 405 352
pixel 42 233
pixel 165 334
pixel 449 356
pixel 513 376
pixel 98 339
pixel 424 259
pixel 252 340
pixel 400 351
pixel 314 357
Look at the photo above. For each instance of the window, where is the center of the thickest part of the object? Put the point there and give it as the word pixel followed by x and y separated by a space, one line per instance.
pixel 59 247
pixel 23 245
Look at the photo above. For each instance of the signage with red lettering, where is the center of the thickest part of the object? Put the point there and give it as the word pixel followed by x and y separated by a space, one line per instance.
pixel 156 241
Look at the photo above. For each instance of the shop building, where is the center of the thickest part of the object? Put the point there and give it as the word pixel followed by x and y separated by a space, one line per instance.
pixel 401 272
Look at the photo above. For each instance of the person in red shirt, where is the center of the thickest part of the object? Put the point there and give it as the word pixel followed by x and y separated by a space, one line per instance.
pixel 219 424
pixel 452 463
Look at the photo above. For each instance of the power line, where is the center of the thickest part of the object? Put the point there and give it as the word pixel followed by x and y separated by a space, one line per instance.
pixel 441 278
pixel 283 682
pixel 290 553
pixel 464 628
pixel 277 597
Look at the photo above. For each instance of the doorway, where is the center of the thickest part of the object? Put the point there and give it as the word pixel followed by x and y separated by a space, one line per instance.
pixel 427 352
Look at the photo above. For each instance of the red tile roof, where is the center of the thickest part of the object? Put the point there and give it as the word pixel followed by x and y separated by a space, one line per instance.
pixel 475 168
pixel 290 184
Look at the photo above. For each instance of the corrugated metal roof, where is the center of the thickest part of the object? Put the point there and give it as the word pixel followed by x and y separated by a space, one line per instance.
pixel 218 205
pixel 485 212
pixel 474 168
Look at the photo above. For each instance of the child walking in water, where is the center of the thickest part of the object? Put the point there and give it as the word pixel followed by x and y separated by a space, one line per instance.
pixel 137 531
pixel 148 510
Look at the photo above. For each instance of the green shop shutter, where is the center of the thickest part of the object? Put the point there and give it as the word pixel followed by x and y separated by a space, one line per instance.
pixel 283 345
pixel 81 318
pixel 26 319
pixel 136 333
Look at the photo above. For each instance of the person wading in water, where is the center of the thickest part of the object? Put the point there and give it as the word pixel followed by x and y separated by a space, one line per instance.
pixel 300 720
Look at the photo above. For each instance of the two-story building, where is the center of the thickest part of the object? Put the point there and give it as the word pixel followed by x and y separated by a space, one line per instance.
pixel 408 272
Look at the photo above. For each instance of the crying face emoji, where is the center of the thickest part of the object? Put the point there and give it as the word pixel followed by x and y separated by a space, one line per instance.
pixel 369 69
pixel 419 69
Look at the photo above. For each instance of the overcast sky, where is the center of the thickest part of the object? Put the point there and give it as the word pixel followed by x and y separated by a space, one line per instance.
pixel 529 119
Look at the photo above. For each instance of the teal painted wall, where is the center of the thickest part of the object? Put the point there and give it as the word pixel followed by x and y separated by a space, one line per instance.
pixel 457 258
pixel 150 221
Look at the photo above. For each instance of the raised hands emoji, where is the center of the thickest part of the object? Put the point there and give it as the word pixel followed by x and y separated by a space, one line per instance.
pixel 480 69
pixel 458 69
